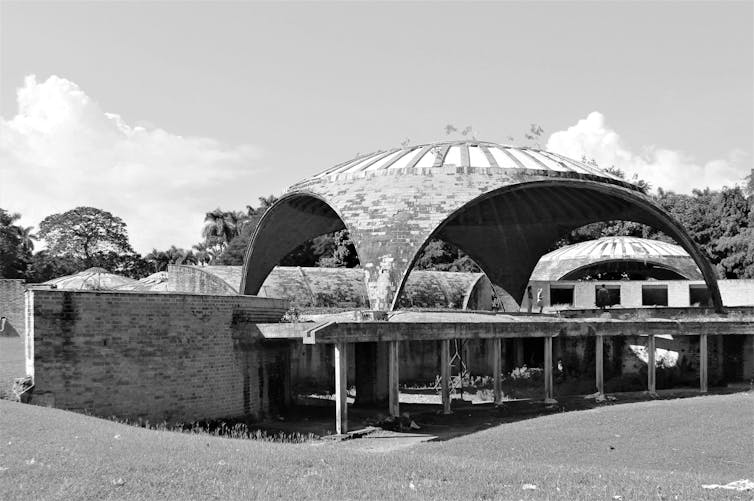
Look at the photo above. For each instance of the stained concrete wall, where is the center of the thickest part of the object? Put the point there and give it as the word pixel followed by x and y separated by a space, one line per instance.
pixel 12 334
pixel 149 355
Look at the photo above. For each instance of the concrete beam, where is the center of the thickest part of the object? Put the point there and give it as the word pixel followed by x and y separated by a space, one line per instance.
pixel 357 332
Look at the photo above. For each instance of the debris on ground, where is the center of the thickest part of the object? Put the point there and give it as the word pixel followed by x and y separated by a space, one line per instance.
pixel 393 423
pixel 738 485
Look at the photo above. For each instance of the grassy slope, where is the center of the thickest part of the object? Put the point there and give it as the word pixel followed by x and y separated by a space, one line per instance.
pixel 661 449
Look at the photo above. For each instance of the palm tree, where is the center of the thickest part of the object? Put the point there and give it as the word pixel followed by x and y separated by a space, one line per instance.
pixel 26 236
pixel 216 231
pixel 266 202
pixel 158 259
pixel 204 254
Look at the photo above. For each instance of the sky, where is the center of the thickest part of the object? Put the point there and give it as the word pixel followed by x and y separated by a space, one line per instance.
pixel 162 111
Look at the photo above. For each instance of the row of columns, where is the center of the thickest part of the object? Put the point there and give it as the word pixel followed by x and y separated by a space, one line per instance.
pixel 341 371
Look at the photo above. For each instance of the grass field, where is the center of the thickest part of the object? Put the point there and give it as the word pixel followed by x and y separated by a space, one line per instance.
pixel 648 450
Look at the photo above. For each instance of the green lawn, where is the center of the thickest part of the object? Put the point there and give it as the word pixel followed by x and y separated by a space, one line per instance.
pixel 649 450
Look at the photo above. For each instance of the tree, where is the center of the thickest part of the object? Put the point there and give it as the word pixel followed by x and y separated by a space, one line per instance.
pixel 336 250
pixel 44 267
pixel 159 260
pixel 85 232
pixel 227 234
pixel 14 255
pixel 204 255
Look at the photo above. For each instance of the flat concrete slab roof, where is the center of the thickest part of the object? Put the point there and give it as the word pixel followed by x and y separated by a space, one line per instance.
pixel 438 325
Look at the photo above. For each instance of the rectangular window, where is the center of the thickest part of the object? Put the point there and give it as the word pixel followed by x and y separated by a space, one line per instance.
pixel 654 295
pixel 699 295
pixel 561 294
pixel 613 291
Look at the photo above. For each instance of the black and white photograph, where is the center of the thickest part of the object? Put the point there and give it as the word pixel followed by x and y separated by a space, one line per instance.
pixel 376 250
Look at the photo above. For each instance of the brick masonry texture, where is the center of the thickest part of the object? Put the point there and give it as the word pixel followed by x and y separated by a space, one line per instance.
pixel 152 356
pixel 504 220
pixel 12 336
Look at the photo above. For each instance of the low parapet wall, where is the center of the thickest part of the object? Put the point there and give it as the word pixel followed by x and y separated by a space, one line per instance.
pixel 156 356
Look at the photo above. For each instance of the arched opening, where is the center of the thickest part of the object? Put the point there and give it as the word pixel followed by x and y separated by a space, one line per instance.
pixel 507 230
pixel 625 269
pixel 291 221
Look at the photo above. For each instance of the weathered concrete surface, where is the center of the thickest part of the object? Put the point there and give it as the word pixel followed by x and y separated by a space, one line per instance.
pixel 734 293
pixel 342 287
pixel 505 215
pixel 620 251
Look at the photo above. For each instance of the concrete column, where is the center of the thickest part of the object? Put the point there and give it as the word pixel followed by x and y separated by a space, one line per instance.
pixel 393 379
pixel 497 369
pixel 703 358
pixel 445 375
pixel 599 364
pixel 651 366
pixel 341 387
pixel 548 372
pixel 519 346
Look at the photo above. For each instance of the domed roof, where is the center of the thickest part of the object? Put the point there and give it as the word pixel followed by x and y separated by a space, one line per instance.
pixel 156 282
pixel 91 279
pixel 617 248
pixel 504 206
pixel 560 262
pixel 466 156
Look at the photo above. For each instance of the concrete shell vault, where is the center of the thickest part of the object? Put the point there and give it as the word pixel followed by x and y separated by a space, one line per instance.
pixel 504 206
pixel 565 262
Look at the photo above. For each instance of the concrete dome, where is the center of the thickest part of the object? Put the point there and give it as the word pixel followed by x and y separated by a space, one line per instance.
pixel 562 263
pixel 91 279
pixel 461 156
pixel 504 206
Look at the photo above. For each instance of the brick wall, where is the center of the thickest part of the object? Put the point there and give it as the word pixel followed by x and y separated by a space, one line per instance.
pixel 154 356
pixel 12 335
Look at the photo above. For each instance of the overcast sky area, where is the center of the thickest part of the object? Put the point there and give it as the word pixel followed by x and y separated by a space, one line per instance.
pixel 160 112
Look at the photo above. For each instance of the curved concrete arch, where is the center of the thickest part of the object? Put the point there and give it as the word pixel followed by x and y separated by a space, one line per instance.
pixel 521 222
pixel 470 290
pixel 201 280
pixel 292 220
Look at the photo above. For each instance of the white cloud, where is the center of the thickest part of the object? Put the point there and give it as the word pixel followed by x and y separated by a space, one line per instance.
pixel 672 170
pixel 62 150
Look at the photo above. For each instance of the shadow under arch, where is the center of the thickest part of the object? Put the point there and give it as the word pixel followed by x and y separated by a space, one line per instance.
pixel 675 273
pixel 292 220
pixel 507 230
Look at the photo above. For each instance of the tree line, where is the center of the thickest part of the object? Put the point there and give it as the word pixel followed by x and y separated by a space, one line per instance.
pixel 720 221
